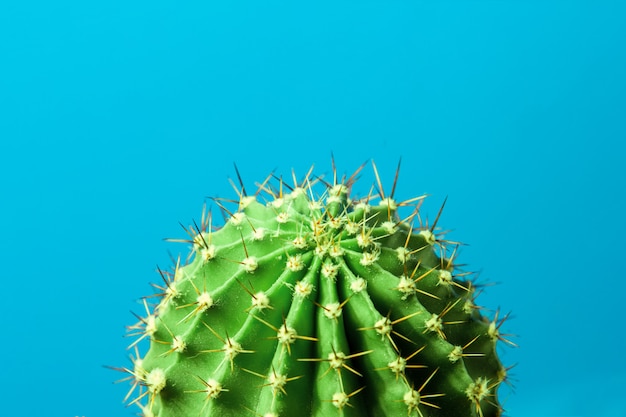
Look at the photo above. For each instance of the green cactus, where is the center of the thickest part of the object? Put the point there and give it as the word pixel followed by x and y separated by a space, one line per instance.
pixel 312 303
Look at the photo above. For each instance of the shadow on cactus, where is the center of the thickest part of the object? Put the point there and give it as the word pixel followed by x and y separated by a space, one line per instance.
pixel 311 302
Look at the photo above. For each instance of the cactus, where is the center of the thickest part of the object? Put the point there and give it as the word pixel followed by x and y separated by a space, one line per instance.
pixel 310 302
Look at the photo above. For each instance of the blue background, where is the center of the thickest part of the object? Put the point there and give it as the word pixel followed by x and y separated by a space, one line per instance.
pixel 117 119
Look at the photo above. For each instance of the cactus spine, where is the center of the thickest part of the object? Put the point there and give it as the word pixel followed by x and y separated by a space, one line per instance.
pixel 313 303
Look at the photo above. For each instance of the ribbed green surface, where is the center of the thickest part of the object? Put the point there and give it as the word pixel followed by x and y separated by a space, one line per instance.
pixel 317 306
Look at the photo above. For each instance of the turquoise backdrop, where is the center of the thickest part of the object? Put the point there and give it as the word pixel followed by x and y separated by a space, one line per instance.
pixel 119 118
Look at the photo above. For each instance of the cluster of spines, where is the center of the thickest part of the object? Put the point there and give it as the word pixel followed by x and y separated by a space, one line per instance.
pixel 325 246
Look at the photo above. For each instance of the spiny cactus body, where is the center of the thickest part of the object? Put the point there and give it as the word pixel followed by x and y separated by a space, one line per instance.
pixel 312 303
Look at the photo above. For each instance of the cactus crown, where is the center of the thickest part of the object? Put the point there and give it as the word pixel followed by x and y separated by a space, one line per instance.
pixel 314 303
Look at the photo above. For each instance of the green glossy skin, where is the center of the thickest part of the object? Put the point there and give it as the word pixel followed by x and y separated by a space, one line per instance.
pixel 367 341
